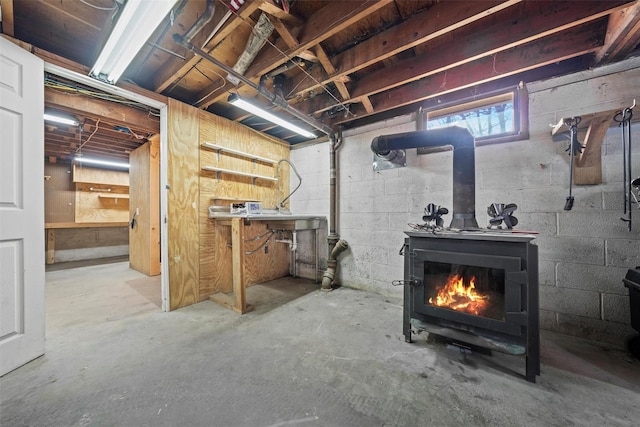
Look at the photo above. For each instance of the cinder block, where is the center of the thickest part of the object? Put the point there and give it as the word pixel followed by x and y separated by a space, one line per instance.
pixel 515 177
pixel 594 329
pixel 362 189
pixel 357 236
pixel 623 253
pixel 415 182
pixel 547 273
pixel 355 204
pixel 548 320
pixel 594 278
pixel 593 224
pixel 544 223
pixel 614 200
pixel 571 249
pixel 365 220
pixel 387 238
pixel 386 273
pixel 389 203
pixel 615 308
pixel 570 301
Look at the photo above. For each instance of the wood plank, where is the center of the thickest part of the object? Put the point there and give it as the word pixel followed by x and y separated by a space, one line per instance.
pixel 237 251
pixel 103 110
pixel 100 177
pixel 215 238
pixel 51 245
pixel 588 164
pixel 144 238
pixel 59 193
pixel 91 208
pixel 59 225
pixel 182 204
pixel 7 17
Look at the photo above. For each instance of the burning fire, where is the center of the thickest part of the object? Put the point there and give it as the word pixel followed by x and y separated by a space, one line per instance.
pixel 459 296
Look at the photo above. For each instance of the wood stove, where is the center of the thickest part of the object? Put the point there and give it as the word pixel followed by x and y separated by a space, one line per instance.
pixel 476 288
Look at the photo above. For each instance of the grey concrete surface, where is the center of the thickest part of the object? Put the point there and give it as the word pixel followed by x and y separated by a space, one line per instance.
pixel 302 358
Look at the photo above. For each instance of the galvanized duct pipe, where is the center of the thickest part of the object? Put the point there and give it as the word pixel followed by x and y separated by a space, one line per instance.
pixel 464 175
pixel 336 245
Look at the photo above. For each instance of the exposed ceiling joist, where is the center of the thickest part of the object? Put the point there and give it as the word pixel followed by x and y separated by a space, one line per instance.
pixel 623 35
pixel 555 48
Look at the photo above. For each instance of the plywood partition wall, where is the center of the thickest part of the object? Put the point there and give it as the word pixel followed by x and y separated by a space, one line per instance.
pixel 183 172
pixel 144 208
pixel 222 189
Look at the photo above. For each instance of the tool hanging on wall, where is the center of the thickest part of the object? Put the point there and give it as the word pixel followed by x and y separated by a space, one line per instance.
pixel 574 148
pixel 624 118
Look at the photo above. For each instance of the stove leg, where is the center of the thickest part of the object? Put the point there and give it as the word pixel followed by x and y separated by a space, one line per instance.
pixel 406 309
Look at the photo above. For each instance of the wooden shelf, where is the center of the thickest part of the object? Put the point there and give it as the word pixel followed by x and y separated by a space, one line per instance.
pixel 238 153
pixel 113 196
pixel 231 199
pixel 232 172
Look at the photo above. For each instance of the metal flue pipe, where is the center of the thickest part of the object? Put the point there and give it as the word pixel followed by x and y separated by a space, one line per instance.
pixel 464 175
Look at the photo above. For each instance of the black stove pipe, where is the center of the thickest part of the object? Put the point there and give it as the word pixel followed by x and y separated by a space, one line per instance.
pixel 464 172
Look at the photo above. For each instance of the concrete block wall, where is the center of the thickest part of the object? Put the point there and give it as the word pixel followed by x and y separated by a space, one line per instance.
pixel 584 253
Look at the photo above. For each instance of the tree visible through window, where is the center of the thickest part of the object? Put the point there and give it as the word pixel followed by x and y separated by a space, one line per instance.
pixel 495 118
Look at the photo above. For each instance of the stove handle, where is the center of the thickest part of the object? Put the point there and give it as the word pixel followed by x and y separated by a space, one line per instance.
pixel 414 281
pixel 403 251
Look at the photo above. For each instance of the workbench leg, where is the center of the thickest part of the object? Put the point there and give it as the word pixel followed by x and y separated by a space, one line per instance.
pixel 51 245
pixel 237 255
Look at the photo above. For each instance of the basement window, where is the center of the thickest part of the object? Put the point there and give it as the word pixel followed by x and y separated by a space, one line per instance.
pixel 493 118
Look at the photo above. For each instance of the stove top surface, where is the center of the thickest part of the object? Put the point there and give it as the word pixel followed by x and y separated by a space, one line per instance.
pixel 475 234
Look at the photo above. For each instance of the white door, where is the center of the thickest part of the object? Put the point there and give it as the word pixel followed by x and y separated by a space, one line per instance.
pixel 21 207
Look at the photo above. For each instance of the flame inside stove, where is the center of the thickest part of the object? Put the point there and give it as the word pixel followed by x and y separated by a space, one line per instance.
pixel 460 296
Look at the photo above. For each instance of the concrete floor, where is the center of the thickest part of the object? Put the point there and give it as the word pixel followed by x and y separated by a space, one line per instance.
pixel 303 358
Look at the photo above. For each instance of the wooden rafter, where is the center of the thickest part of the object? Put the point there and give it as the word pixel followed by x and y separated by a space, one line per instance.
pixel 330 20
pixel 536 21
pixel 555 48
pixel 104 110
pixel 419 29
pixel 623 34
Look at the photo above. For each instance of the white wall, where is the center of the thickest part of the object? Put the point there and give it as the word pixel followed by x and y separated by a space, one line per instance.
pixel 584 253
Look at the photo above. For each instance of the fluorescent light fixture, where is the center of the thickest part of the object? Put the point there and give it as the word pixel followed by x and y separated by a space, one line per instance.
pixel 102 162
pixel 64 120
pixel 137 21
pixel 247 106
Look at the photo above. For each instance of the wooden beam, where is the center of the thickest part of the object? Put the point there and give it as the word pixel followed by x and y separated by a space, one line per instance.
pixel 269 7
pixel 551 49
pixel 7 17
pixel 623 35
pixel 534 21
pixel 436 21
pixel 588 166
pixel 104 110
pixel 330 69
pixel 176 68
pixel 314 31
pixel 51 245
